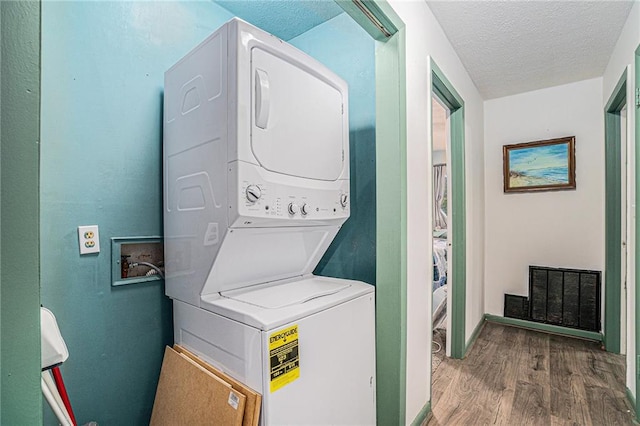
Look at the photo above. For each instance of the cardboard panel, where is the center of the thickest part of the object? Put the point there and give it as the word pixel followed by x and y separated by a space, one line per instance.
pixel 189 394
pixel 254 399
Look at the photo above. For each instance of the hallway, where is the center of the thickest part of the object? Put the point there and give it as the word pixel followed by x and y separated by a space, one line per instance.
pixel 514 376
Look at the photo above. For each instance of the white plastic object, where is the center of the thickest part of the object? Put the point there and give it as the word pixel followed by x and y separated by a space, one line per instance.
pixel 89 239
pixel 54 349
pixel 439 300
pixel 262 99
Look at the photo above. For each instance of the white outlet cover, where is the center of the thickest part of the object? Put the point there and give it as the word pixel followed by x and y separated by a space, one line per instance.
pixel 89 239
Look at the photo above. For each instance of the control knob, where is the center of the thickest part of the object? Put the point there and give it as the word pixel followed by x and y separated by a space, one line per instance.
pixel 253 193
pixel 304 209
pixel 293 208
pixel 343 200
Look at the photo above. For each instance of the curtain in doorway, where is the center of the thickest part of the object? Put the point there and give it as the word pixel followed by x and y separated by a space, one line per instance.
pixel 439 192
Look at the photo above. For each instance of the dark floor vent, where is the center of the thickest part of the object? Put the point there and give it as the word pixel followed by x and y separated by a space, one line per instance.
pixel 516 306
pixel 566 297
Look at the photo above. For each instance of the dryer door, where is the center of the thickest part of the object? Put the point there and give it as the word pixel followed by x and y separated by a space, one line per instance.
pixel 298 123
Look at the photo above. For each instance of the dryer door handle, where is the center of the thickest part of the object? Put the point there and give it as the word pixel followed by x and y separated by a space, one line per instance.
pixel 262 99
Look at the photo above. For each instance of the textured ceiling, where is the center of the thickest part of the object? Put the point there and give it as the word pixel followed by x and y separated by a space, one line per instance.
pixel 285 19
pixel 510 47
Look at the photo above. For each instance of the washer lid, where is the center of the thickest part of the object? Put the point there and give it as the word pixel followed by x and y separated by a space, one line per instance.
pixel 250 257
pixel 272 305
pixel 292 293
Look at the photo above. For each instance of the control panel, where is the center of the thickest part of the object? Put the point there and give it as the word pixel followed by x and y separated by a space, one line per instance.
pixel 264 197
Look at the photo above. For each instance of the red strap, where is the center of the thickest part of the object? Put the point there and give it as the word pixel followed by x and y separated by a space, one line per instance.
pixel 63 393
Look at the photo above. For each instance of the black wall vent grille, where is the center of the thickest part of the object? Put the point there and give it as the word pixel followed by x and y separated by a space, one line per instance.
pixel 516 306
pixel 566 297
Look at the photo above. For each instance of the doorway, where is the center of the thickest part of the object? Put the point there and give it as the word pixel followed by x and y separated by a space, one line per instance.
pixel 453 104
pixel 615 220
pixel 635 295
pixel 620 234
pixel 625 215
pixel 440 189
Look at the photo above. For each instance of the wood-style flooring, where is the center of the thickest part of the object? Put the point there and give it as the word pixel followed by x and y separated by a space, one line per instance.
pixel 513 376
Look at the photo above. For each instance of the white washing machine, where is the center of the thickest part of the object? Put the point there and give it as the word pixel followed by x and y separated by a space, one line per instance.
pixel 256 186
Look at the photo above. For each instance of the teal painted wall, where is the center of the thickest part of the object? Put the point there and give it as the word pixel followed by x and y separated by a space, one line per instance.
pixel 102 82
pixel 343 46
pixel 20 402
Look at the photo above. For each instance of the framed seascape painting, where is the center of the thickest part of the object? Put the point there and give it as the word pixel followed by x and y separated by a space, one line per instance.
pixel 548 165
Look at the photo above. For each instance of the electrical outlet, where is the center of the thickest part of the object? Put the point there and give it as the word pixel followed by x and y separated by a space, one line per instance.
pixel 89 239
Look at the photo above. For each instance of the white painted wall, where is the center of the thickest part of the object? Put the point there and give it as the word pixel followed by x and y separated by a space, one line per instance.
pixel 558 229
pixel 621 58
pixel 424 38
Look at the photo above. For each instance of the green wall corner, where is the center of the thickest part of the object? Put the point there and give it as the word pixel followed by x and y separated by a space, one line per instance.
pixel 21 401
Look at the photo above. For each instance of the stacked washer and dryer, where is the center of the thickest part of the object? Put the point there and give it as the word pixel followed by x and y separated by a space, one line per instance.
pixel 256 186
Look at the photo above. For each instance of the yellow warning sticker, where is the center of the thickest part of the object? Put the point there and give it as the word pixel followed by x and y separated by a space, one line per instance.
pixel 284 357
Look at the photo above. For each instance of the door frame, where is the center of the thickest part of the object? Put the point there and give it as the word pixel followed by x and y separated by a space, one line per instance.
pixel 391 205
pixel 446 92
pixel 613 220
pixel 20 392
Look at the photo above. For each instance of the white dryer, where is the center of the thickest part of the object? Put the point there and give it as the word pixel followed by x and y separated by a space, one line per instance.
pixel 256 186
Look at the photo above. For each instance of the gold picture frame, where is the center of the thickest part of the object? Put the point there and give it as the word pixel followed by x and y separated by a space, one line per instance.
pixel 547 165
